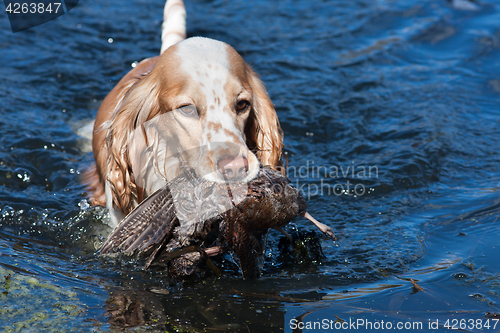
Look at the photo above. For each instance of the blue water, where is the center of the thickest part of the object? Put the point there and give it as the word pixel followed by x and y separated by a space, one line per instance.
pixel 408 90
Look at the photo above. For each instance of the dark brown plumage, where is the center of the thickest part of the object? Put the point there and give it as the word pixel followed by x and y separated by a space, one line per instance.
pixel 189 208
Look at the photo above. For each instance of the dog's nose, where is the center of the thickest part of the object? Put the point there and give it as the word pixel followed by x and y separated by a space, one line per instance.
pixel 233 168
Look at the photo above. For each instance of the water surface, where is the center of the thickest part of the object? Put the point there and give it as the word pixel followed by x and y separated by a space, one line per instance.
pixel 408 90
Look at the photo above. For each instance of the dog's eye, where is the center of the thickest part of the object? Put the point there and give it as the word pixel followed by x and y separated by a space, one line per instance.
pixel 188 110
pixel 242 106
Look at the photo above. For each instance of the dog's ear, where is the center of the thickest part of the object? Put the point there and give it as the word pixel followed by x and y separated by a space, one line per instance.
pixel 263 130
pixel 140 104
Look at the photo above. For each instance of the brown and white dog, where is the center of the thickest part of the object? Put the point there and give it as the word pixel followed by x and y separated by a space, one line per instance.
pixel 198 103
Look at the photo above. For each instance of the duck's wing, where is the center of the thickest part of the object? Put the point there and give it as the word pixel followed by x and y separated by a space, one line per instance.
pixel 148 225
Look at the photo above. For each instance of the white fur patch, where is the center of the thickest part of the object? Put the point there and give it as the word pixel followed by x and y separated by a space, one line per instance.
pixel 115 215
pixel 173 29
pixel 206 61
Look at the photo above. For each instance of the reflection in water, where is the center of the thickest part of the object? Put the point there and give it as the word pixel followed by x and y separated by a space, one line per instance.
pixel 193 311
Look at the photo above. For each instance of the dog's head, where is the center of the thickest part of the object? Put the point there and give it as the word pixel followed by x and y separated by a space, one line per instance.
pixel 202 106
